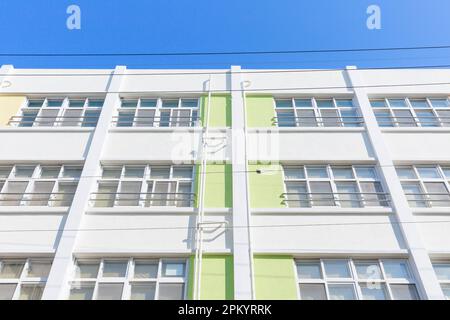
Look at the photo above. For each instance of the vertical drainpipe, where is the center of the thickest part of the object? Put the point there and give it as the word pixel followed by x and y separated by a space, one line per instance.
pixel 419 259
pixel 242 254
pixel 57 286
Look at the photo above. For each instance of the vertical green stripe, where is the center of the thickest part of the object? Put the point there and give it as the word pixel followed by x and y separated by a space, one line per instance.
pixel 218 185
pixel 275 277
pixel 260 111
pixel 267 187
pixel 220 110
pixel 217 281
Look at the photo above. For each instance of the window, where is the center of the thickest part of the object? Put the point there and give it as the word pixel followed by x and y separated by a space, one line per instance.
pixel 158 112
pixel 145 186
pixel 442 270
pixel 23 279
pixel 425 185
pixel 328 185
pixel 59 112
pixel 349 279
pixel 412 112
pixel 129 279
pixel 38 185
pixel 316 113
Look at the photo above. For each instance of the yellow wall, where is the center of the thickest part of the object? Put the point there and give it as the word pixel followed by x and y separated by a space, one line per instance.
pixel 9 106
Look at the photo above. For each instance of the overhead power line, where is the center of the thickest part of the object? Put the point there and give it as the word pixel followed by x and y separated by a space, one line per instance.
pixel 213 53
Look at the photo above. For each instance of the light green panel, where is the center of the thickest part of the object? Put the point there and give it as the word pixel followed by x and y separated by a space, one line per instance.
pixel 260 111
pixel 267 187
pixel 274 277
pixel 220 111
pixel 218 185
pixel 217 278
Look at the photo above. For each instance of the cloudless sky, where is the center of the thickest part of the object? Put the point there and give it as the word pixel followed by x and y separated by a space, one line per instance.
pixel 117 26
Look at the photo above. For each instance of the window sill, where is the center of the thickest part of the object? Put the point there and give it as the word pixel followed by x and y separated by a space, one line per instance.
pixel 416 129
pixel 306 129
pixel 47 129
pixel 33 209
pixel 166 129
pixel 156 210
pixel 322 211
pixel 445 211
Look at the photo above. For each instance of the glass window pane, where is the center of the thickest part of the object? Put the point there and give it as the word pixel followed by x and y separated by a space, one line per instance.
pixel 446 171
pixel 24 171
pixel 96 103
pixel 297 195
pixel 444 117
pixel 90 118
pixel 414 194
pixel 105 195
pixel 39 269
pixel 419 104
pixel 283 103
pixel 182 172
pixel 347 103
pixel 404 292
pixel 87 270
pixel 397 103
pixel 350 118
pixel 405 173
pixel 321 193
pixel 134 172
pixel 145 269
pixel 428 172
pixel 7 291
pixel 31 292
pixel 396 269
pixel 328 103
pixel 129 103
pixel 427 118
pixel 76 103
pixel 5 171
pixel 164 118
pixel 115 268
pixel 50 172
pixel 312 291
pixel 404 118
pixel 11 269
pixel 342 172
pixel 143 291
pixel 54 103
pixel 160 172
pixel 306 118
pixel 170 103
pixel 189 103
pixel 112 173
pixel 309 270
pixel 35 103
pixel 439 103
pixel 330 118
pixel 72 172
pixel 446 290
pixel 294 173
pixel 83 291
pixel 286 118
pixel 171 291
pixel 109 291
pixel 368 270
pixel 437 194
pixel 317 172
pixel 125 118
pixel 341 292
pixel 148 103
pixel 378 103
pixel 173 269
pixel 337 269
pixel 47 117
pixel 303 103
pixel 13 193
pixel 384 118
pixel 442 270
pixel 366 172
pixel 41 193
pixel 373 291
pixel 145 118
pixel 348 194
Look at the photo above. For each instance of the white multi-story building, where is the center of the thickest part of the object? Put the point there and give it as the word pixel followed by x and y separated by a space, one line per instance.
pixel 224 184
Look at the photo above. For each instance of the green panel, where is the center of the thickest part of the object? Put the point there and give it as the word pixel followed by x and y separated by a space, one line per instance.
pixel 260 111
pixel 218 188
pixel 274 277
pixel 220 110
pixel 217 281
pixel 266 188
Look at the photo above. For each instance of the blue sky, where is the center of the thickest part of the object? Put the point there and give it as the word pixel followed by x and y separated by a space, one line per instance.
pixel 228 25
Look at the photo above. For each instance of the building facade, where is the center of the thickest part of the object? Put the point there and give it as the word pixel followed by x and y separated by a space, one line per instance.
pixel 224 184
